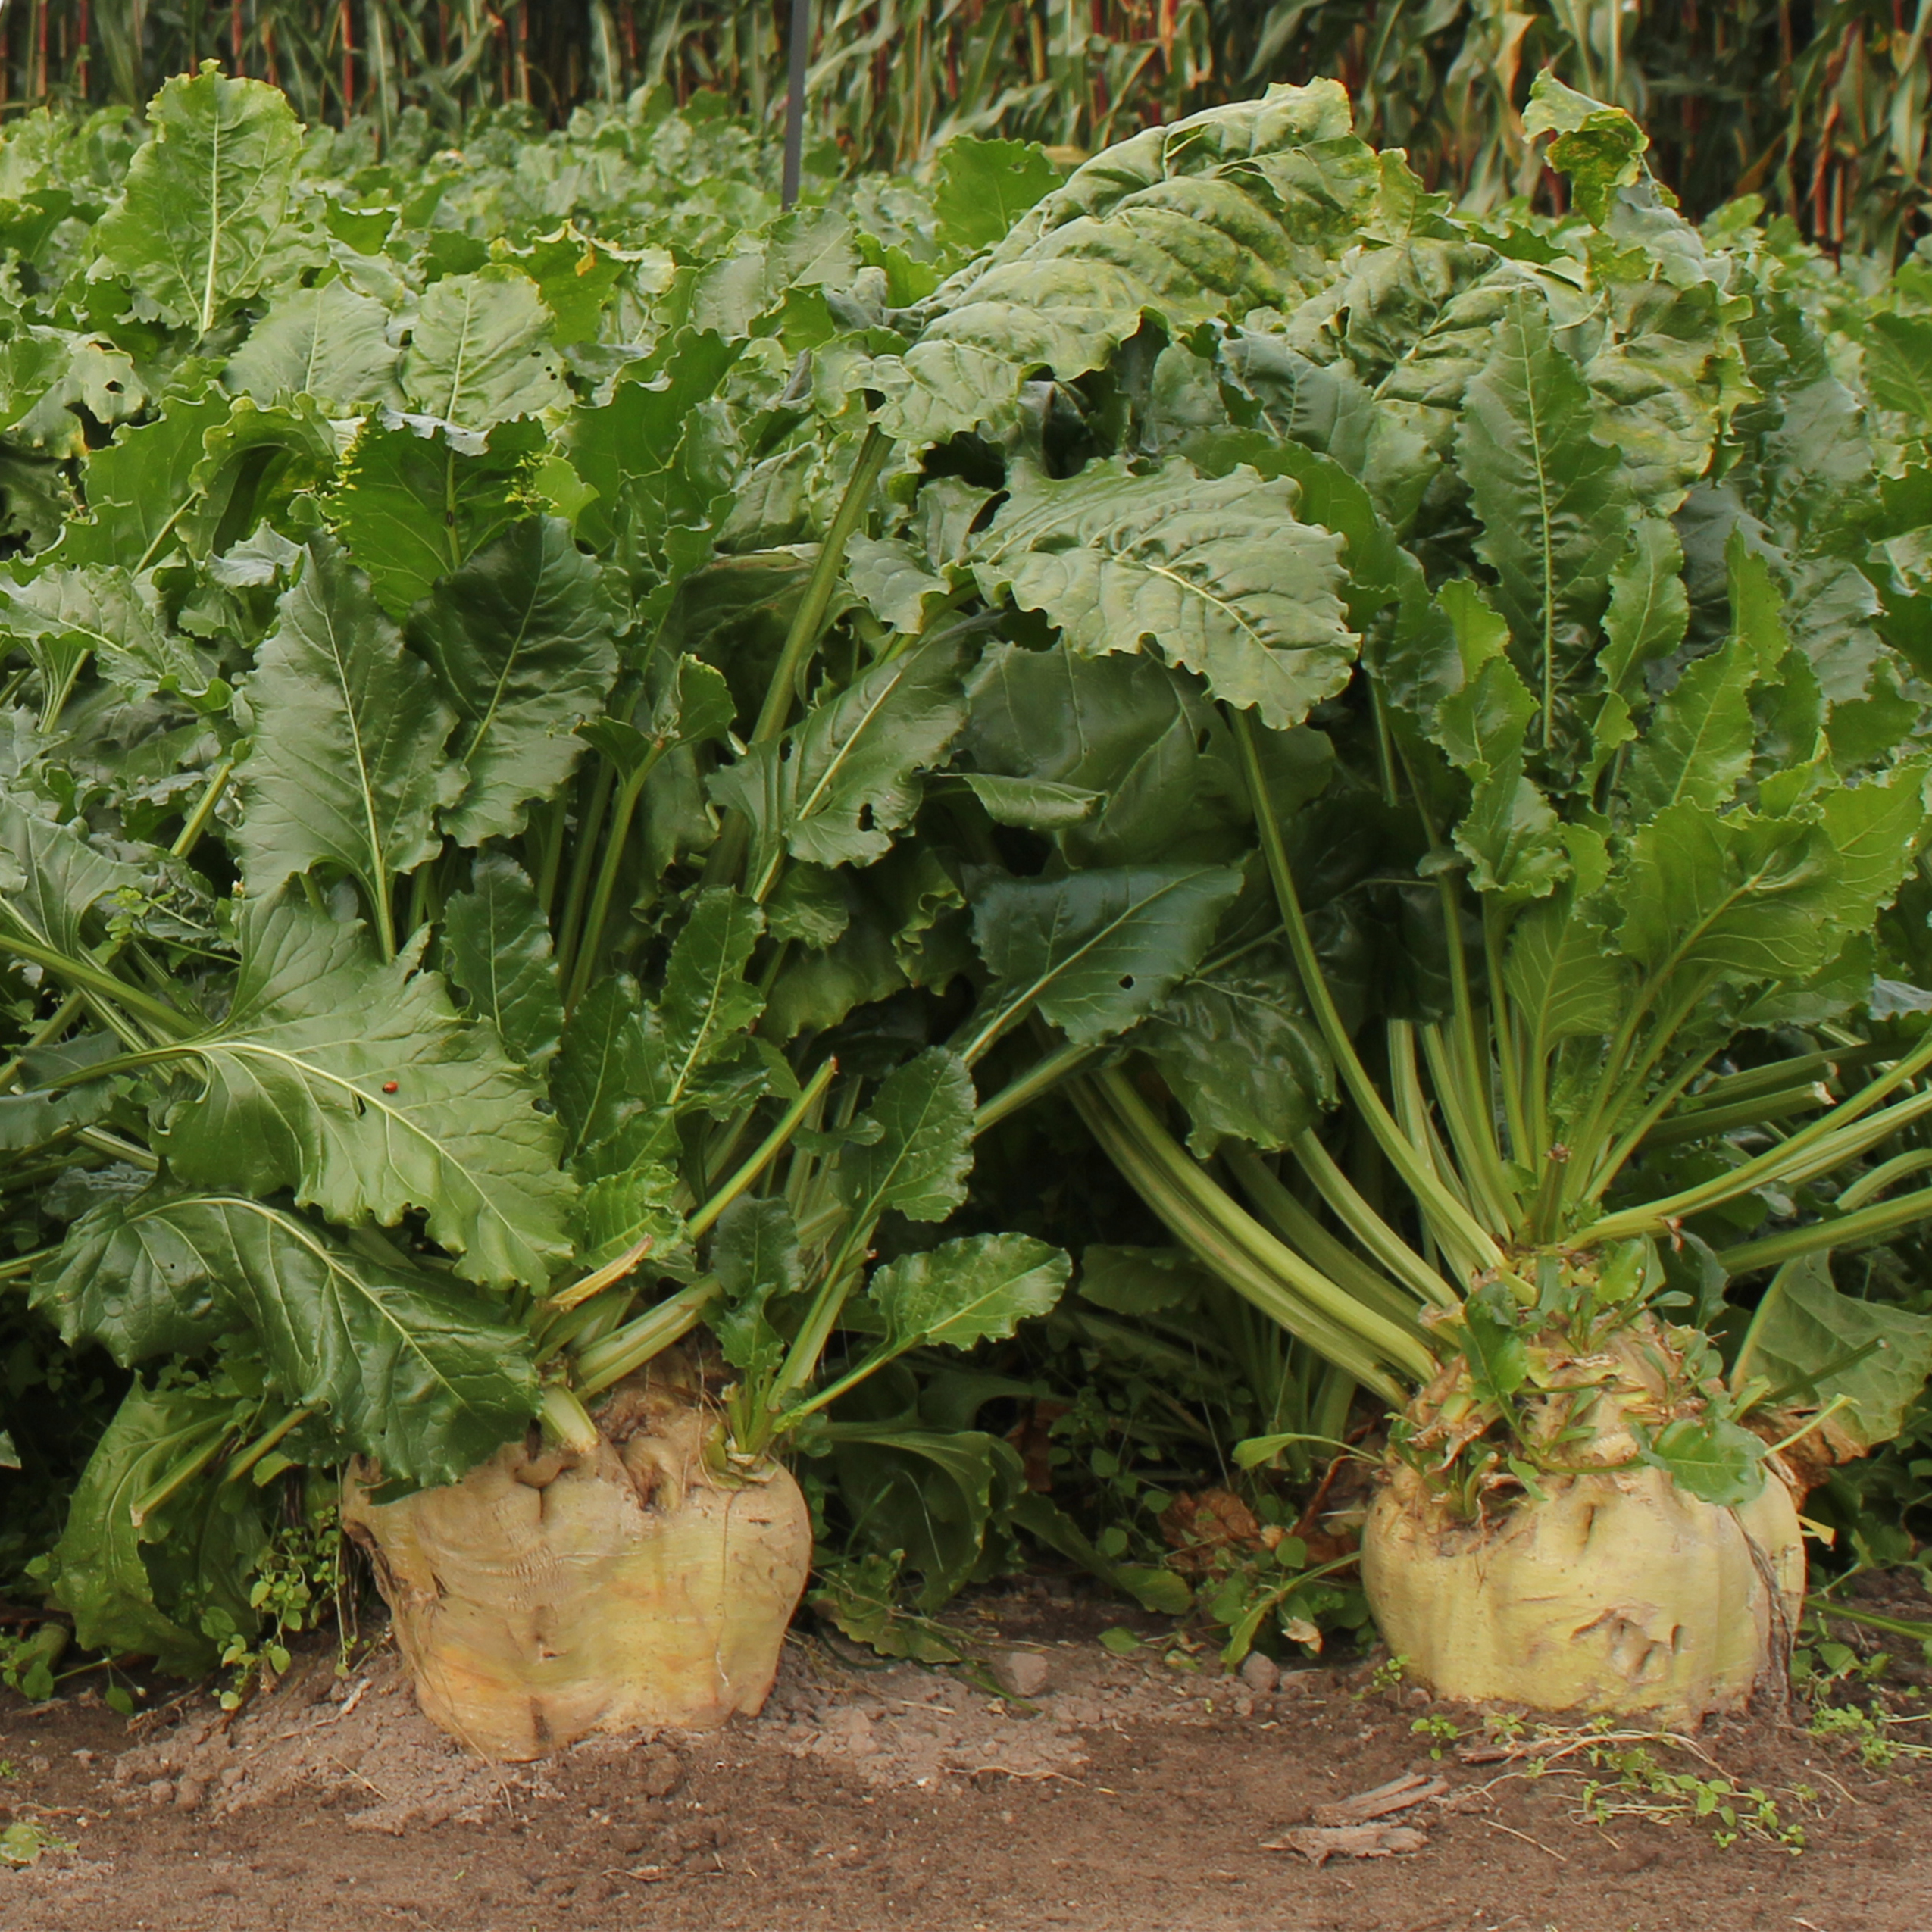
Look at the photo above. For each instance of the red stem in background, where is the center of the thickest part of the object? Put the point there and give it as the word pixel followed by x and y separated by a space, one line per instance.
pixel 348 60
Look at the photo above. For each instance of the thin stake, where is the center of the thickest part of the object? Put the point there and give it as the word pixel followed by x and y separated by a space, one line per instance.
pixel 795 101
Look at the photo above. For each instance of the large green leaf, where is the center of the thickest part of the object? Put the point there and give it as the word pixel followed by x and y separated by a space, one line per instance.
pixel 1566 981
pixel 1143 737
pixel 521 636
pixel 202 223
pixel 51 877
pixel 62 615
pixel 140 489
pixel 500 954
pixel 1697 744
pixel 1716 1460
pixel 627 1072
pixel 1812 1343
pixel 347 765
pixel 1238 207
pixel 922 1150
pixel 1238 1048
pixel 1094 952
pixel 1897 366
pixel 354 1083
pixel 413 505
pixel 328 343
pixel 479 350
pixel 1214 574
pixel 1556 507
pixel 976 1289
pixel 845 778
pixel 984 186
pixel 401 1364
pixel 101 1572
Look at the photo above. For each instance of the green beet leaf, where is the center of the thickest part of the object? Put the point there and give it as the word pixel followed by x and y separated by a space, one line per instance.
pixel 104 1566
pixel 202 223
pixel 846 777
pixel 1215 574
pixel 348 763
pixel 1095 951
pixel 479 352
pixel 328 343
pixel 352 1082
pixel 918 1162
pixel 401 1364
pixel 1237 1048
pixel 520 638
pixel 1813 1343
pixel 416 501
pixel 500 954
pixel 1717 1461
pixel 977 1289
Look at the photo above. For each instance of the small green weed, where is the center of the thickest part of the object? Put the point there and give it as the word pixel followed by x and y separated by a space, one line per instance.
pixel 1443 1730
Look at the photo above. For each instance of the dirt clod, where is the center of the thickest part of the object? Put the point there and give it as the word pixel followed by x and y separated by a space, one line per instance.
pixel 1021 1673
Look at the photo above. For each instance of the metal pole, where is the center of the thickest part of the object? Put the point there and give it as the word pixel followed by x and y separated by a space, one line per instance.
pixel 795 101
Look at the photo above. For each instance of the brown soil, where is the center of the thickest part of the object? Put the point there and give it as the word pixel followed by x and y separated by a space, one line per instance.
pixel 1127 1796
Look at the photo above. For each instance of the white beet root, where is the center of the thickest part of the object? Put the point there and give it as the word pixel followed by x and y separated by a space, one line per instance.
pixel 1621 1593
pixel 549 1595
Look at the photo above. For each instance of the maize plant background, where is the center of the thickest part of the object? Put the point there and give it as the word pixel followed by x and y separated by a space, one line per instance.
pixel 1821 109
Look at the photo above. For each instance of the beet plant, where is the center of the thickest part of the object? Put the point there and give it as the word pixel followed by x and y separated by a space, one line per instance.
pixel 582 742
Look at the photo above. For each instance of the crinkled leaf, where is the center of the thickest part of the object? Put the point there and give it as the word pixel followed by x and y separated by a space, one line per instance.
pixel 977 1289
pixel 627 1072
pixel 500 954
pixel 328 343
pixel 755 1256
pixel 845 777
pixel 1214 574
pixel 984 186
pixel 355 1084
pixel 347 763
pixel 479 350
pixel 1038 804
pixel 1698 743
pixel 1603 153
pixel 929 1496
pixel 1555 506
pixel 1489 1335
pixel 400 1364
pixel 202 221
pixel 1095 951
pixel 140 489
pixel 520 638
pixel 1718 1461
pixel 616 1211
pixel 51 877
pixel 101 1574
pixel 1237 1047
pixel 924 1151
pixel 412 506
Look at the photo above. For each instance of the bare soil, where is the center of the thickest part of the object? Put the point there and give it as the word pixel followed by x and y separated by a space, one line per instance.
pixel 1127 1795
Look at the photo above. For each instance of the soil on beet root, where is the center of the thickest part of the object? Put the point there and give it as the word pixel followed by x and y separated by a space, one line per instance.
pixel 1126 1795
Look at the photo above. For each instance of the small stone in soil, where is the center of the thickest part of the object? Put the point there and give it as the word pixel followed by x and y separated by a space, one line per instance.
pixel 1260 1673
pixel 1020 1672
pixel 659 1773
